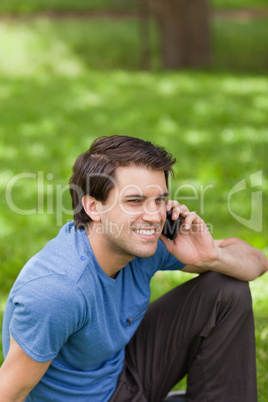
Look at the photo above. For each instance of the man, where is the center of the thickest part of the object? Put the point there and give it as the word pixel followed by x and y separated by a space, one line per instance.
pixel 77 326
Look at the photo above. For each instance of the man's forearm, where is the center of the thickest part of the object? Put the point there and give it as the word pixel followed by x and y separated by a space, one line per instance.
pixel 19 374
pixel 238 259
pixel 9 394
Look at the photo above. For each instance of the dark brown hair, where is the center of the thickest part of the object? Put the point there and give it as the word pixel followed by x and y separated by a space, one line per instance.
pixel 94 170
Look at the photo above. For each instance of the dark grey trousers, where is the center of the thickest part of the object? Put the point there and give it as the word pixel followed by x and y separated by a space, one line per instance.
pixel 203 328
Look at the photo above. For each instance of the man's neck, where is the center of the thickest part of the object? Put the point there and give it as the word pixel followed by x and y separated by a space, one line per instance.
pixel 109 261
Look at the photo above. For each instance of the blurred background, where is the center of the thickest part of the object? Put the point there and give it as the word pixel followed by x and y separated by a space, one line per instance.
pixel 188 75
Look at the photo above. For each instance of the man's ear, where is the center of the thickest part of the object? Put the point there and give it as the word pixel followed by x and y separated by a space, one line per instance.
pixel 90 205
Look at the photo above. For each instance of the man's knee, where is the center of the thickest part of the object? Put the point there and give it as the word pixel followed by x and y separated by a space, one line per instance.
pixel 232 291
pixel 228 301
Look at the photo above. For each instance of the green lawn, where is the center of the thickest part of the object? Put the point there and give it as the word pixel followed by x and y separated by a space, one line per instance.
pixel 65 83
pixel 238 4
pixel 29 6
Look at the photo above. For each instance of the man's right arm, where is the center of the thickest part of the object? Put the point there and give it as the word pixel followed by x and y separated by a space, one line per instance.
pixel 19 374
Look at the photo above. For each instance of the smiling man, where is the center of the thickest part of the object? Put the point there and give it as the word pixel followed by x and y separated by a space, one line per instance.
pixel 78 325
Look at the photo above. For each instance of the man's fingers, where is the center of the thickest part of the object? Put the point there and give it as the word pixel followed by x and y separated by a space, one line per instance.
pixel 177 209
pixel 191 220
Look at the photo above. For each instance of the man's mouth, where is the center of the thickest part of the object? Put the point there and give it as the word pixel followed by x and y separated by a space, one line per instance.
pixel 146 232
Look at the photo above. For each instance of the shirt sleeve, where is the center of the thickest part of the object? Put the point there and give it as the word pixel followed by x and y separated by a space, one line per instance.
pixel 167 262
pixel 46 312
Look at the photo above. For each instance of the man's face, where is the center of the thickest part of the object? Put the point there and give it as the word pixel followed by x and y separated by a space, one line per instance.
pixel 133 216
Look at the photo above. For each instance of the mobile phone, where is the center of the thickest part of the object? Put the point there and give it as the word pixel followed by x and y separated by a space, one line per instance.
pixel 171 227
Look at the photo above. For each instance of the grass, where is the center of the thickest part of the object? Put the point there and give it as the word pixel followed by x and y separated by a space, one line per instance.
pixel 238 4
pixel 65 83
pixel 31 6
pixel 235 45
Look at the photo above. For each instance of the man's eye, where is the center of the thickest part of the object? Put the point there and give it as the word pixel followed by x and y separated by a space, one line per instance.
pixel 160 200
pixel 134 201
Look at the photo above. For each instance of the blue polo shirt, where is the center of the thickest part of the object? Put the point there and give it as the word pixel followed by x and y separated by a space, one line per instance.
pixel 64 307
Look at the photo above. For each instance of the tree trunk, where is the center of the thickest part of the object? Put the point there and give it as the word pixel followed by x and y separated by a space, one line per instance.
pixel 144 17
pixel 184 32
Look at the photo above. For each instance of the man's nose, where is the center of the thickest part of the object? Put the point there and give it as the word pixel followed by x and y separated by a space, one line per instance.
pixel 152 213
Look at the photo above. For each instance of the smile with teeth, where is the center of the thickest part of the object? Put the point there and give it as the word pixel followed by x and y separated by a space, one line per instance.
pixel 147 232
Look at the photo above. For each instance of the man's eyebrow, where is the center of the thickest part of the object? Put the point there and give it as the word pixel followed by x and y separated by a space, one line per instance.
pixel 133 196
pixel 142 196
pixel 166 194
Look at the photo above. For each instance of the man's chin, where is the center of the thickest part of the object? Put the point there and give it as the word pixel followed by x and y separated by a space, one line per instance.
pixel 146 253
